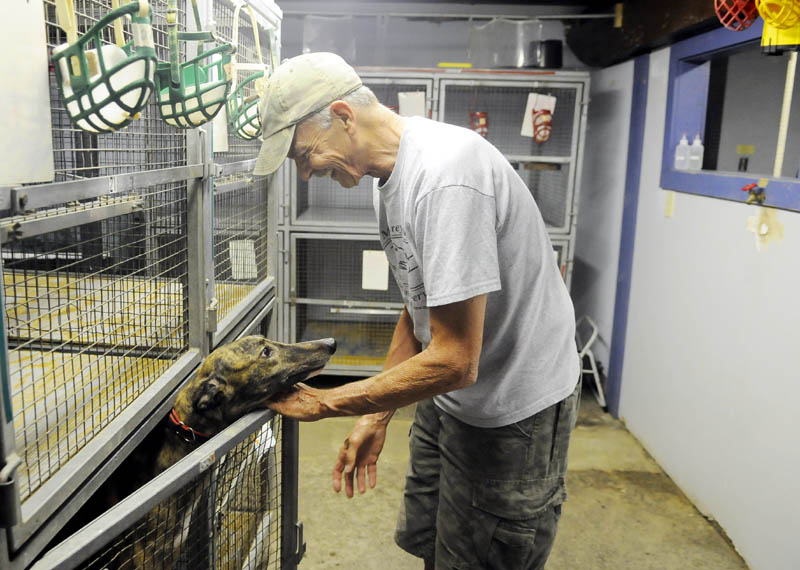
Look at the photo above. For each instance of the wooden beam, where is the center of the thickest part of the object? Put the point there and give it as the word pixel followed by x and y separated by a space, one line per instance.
pixel 646 25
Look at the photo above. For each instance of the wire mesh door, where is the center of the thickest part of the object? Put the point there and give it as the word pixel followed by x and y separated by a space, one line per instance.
pixel 220 508
pixel 323 201
pixel 341 288
pixel 241 201
pixel 548 168
pixel 95 314
pixel 228 518
pixel 549 183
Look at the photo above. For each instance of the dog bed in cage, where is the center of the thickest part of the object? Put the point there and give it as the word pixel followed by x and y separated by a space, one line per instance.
pixel 105 86
pixel 191 93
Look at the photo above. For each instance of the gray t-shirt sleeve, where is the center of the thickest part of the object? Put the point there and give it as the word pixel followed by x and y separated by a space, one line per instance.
pixel 454 227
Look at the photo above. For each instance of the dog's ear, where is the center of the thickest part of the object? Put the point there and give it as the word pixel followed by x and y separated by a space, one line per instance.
pixel 209 396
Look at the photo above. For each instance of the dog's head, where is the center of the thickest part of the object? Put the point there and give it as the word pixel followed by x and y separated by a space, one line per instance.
pixel 244 375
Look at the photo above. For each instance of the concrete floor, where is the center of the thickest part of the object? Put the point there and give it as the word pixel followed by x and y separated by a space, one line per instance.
pixel 623 512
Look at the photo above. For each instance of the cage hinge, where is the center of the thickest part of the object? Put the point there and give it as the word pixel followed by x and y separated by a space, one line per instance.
pixel 10 512
pixel 300 544
pixel 211 315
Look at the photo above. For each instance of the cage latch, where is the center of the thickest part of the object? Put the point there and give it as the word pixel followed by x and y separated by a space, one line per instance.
pixel 300 548
pixel 10 513
pixel 211 315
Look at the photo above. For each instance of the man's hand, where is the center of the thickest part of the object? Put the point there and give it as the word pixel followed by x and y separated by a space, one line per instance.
pixel 359 454
pixel 301 402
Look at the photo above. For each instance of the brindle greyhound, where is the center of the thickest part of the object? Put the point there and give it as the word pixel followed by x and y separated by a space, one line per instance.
pixel 234 379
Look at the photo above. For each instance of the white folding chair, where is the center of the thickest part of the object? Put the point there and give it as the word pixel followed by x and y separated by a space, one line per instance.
pixel 585 335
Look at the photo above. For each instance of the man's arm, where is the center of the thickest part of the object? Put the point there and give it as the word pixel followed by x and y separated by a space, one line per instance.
pixel 360 451
pixel 404 345
pixel 448 363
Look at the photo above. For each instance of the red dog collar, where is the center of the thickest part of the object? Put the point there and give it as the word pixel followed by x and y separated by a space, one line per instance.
pixel 183 430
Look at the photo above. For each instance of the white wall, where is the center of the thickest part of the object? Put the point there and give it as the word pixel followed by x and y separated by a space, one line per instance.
pixel 711 378
pixel 602 191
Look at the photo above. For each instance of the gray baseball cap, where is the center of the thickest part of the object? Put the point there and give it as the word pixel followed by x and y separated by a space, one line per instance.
pixel 298 88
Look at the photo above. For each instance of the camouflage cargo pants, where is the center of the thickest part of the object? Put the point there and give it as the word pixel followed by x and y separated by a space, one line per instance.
pixel 478 498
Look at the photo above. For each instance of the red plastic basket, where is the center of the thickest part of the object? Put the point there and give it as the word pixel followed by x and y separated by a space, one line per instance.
pixel 736 15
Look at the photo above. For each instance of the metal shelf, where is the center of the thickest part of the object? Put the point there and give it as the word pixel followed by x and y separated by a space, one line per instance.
pixel 348 217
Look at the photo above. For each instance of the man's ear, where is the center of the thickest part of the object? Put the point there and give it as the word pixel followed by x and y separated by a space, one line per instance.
pixel 209 395
pixel 343 112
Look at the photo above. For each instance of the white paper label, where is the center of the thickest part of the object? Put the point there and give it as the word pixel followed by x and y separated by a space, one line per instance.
pixel 412 104
pixel 243 259
pixel 536 102
pixel 26 142
pixel 375 271
pixel 219 131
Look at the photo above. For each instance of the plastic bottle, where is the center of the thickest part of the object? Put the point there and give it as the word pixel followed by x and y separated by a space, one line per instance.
pixel 682 154
pixel 696 154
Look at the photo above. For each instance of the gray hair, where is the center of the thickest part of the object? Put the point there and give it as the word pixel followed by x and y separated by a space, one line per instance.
pixel 361 97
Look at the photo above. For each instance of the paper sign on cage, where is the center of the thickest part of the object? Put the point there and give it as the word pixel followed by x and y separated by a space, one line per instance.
pixel 375 271
pixel 412 104
pixel 219 130
pixel 242 253
pixel 26 136
pixel 538 119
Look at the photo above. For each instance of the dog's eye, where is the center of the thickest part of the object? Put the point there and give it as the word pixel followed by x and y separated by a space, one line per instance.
pixel 266 352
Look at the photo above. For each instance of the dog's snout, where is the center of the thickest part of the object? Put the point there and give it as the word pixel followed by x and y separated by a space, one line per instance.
pixel 330 343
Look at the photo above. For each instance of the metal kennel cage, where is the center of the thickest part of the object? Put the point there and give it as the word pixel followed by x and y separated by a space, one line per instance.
pixel 109 287
pixel 243 238
pixel 337 290
pixel 550 168
pixel 95 291
pixel 329 227
pixel 94 314
pixel 231 504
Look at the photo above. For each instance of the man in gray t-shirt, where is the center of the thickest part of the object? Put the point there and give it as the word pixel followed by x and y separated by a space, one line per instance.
pixel 485 344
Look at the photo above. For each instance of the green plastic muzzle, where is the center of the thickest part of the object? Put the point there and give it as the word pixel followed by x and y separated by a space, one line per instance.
pixel 191 93
pixel 105 87
pixel 243 117
pixel 201 91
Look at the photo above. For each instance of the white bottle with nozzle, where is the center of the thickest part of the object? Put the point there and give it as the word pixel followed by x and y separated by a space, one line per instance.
pixel 696 154
pixel 682 154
